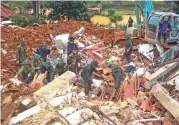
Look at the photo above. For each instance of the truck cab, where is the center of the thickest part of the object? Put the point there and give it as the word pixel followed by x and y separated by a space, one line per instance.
pixel 153 23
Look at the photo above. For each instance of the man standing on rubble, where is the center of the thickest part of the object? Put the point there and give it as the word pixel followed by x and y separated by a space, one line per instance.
pixel 47 67
pixel 43 51
pixel 74 60
pixel 21 54
pixel 71 45
pixel 118 76
pixel 26 72
pixel 128 49
pixel 87 75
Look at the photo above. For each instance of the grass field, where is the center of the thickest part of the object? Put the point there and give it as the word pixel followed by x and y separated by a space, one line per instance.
pixel 105 20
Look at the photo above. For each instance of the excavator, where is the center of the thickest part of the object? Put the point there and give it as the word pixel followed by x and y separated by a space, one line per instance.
pixel 149 28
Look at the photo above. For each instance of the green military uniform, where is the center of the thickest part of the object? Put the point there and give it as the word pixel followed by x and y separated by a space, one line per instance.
pixel 24 72
pixel 73 60
pixel 117 74
pixel 21 54
pixel 47 66
pixel 37 62
pixel 87 75
pixel 60 67
pixel 128 49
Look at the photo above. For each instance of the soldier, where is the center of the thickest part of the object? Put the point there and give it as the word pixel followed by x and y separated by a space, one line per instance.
pixel 21 54
pixel 26 72
pixel 37 62
pixel 118 76
pixel 74 60
pixel 128 49
pixel 47 66
pixel 43 51
pixel 60 67
pixel 87 75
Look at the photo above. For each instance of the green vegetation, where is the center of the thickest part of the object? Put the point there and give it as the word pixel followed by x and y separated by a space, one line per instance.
pixel 71 9
pixel 22 5
pixel 111 12
pixel 115 17
pixel 23 21
pixel 176 7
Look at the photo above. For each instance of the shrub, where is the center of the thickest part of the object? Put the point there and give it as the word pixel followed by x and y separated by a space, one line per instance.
pixel 111 12
pixel 23 21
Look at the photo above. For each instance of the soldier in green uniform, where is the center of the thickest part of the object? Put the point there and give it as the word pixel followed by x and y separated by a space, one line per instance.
pixel 128 49
pixel 74 60
pixel 60 67
pixel 37 62
pixel 47 66
pixel 21 54
pixel 87 75
pixel 117 74
pixel 26 72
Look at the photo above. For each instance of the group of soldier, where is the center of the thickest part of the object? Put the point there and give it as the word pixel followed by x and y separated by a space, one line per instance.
pixel 51 61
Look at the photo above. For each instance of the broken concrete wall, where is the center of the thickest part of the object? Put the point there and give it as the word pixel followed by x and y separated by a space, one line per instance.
pixel 57 85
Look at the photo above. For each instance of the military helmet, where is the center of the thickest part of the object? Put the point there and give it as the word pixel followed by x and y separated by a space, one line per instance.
pixel 43 44
pixel 36 56
pixel 26 62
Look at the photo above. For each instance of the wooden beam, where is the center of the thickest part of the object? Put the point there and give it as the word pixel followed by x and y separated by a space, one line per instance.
pixel 158 74
pixel 164 98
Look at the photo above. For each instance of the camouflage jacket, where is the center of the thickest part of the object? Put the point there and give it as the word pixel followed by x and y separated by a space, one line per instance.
pixel 21 54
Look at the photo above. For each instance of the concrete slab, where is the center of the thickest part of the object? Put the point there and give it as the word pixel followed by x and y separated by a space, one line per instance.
pixel 50 90
pixel 158 74
pixel 164 98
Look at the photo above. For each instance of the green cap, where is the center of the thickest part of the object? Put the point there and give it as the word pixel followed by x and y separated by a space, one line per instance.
pixel 26 62
pixel 44 44
pixel 36 56
pixel 47 64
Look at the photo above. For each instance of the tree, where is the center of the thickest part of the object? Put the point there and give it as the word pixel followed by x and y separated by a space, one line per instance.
pixel 111 12
pixel 71 9
pixel 115 18
pixel 176 7
pixel 21 5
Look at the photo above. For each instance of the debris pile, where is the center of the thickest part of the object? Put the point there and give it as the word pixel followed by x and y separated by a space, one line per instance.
pixel 145 96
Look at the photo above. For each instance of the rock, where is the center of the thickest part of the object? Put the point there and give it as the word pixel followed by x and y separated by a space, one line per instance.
pixel 67 111
pixel 7 100
pixel 132 103
pixel 28 103
pixel 81 94
pixel 7 110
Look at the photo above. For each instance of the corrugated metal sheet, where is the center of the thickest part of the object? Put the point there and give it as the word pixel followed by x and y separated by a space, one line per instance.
pixel 5 11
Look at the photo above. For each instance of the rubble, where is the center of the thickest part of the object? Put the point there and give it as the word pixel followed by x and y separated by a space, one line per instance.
pixel 59 102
